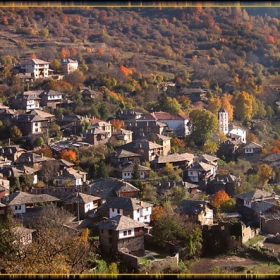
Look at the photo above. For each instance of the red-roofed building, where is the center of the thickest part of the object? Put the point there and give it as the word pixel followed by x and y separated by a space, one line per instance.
pixel 177 122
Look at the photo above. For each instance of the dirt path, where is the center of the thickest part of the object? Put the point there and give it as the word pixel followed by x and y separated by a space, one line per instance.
pixel 230 264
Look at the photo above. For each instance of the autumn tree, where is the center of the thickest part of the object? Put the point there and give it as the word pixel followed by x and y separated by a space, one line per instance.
pixel 214 105
pixel 64 53
pixel 56 66
pixel 117 124
pixel 220 197
pixel 265 173
pixel 157 212
pixel 276 147
pixel 69 155
pixel 226 104
pixel 203 124
pixel 177 144
pixel 243 106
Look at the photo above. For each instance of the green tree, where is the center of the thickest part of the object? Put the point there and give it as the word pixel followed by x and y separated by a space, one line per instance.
pixel 136 172
pixel 168 104
pixel 102 171
pixel 39 142
pixel 56 66
pixel 178 231
pixel 104 111
pixel 203 124
pixel 15 132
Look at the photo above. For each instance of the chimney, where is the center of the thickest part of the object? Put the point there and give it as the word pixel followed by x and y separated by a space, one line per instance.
pixel 42 155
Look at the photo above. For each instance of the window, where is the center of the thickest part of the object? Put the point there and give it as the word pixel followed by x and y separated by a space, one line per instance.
pixel 118 211
pixel 125 233
pixel 129 232
pixel 113 209
pixel 138 210
pixel 145 217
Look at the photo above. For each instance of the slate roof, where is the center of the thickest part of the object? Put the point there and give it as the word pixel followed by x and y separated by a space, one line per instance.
pixel 66 163
pixel 161 115
pixel 41 114
pixel 124 153
pixel 201 166
pixel 255 195
pixel 32 157
pixel 271 158
pixel 208 158
pixel 29 118
pixel 119 222
pixel 129 167
pixel 187 206
pixel 110 187
pixel 143 144
pixel 252 145
pixel 71 173
pixel 159 136
pixel 19 197
pixel 94 130
pixel 127 203
pixel 174 158
pixel 36 61
pixel 261 206
pixel 80 197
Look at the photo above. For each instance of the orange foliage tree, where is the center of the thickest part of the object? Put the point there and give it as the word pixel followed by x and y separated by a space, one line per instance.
pixel 125 70
pixel 117 124
pixel 220 197
pixel 46 151
pixel 64 53
pixel 73 51
pixel 276 147
pixel 157 212
pixel 68 155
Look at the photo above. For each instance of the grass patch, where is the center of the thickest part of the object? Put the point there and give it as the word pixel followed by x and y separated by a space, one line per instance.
pixel 145 259
pixel 253 241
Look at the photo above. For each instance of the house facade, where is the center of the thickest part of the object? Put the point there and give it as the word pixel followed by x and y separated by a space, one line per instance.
pixel 36 67
pixel 121 232
pixel 197 210
pixel 50 98
pixel 26 100
pixel 252 152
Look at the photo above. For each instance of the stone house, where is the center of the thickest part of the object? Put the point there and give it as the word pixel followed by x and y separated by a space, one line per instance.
pixel 68 65
pixel 50 98
pixel 109 188
pixel 95 136
pixel 121 232
pixel 122 156
pixel 177 122
pixel 131 207
pixel 272 160
pixel 252 152
pixel 26 100
pixel 126 171
pixel 252 203
pixel 142 128
pixel 11 152
pixel 70 176
pixel 81 204
pixel 36 67
pixel 146 149
pixel 31 124
pixel 182 161
pixel 200 173
pixel 18 202
pixel 197 210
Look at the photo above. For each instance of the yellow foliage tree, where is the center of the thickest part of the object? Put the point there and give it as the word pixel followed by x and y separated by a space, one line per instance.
pixel 214 105
pixel 265 173
pixel 226 104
